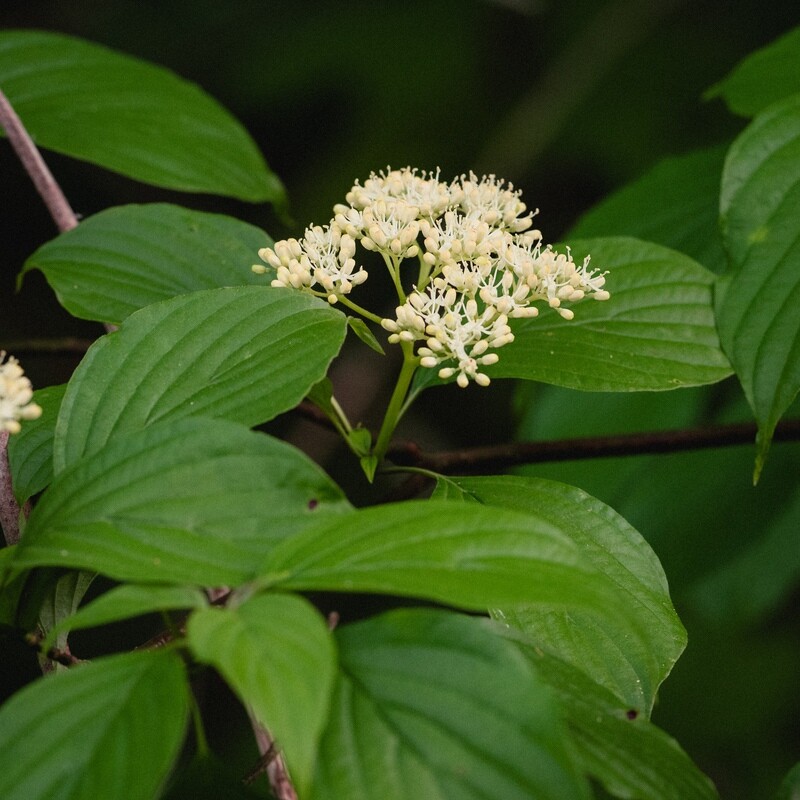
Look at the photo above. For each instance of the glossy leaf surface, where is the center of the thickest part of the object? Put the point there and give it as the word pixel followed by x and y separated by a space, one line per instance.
pixel 196 501
pixel 109 729
pixel 244 353
pixel 436 705
pixel 128 257
pixel 143 121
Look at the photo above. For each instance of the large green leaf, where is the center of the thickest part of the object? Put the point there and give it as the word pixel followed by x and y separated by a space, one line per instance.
pixel 759 301
pixel 109 729
pixel 126 601
pixel 244 353
pixel 632 668
pixel 277 654
pixel 86 101
pixel 460 554
pixel 30 452
pixel 679 501
pixel 198 501
pixel 434 705
pixel 656 332
pixel 675 204
pixel 125 258
pixel 764 77
pixel 619 747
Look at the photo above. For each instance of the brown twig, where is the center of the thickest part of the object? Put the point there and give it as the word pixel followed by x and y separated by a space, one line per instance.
pixel 57 204
pixel 271 762
pixel 63 346
pixel 516 453
pixel 9 508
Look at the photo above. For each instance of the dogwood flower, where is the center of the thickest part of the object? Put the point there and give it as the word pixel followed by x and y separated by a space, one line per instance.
pixel 480 264
pixel 16 395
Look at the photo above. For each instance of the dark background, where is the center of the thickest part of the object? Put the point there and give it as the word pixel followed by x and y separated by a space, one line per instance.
pixel 568 100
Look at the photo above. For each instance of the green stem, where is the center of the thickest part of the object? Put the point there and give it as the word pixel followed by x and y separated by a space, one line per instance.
pixel 396 405
pixel 345 301
pixel 199 730
pixel 393 265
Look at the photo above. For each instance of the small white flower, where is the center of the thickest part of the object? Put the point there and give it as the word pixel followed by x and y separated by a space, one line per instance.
pixel 16 395
pixel 487 198
pixel 422 190
pixel 323 256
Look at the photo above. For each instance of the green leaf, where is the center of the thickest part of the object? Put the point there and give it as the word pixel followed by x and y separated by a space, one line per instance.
pixel 125 258
pixel 709 574
pixel 790 786
pixel 435 705
pixel 617 746
pixel 361 329
pixel 277 654
pixel 675 204
pixel 360 440
pixel 632 668
pixel 126 115
pixel 463 555
pixel 60 603
pixel 758 307
pixel 244 353
pixel 764 77
pixel 109 729
pixel 30 452
pixel 195 501
pixel 656 332
pixel 126 601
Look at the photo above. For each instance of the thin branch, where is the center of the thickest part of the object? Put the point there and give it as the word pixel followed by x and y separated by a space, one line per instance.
pixel 271 762
pixel 57 204
pixel 63 346
pixel 9 508
pixel 516 453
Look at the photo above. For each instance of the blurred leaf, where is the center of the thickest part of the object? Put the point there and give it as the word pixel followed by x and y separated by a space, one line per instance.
pixel 631 668
pixel 758 303
pixel 790 786
pixel 277 654
pixel 466 555
pixel 194 501
pixel 244 353
pixel 764 77
pixel 629 755
pixel 675 204
pixel 109 729
pixel 361 329
pixel 431 704
pixel 126 115
pixel 30 452
pixel 656 332
pixel 208 777
pixel 128 257
pixel 728 593
pixel 126 601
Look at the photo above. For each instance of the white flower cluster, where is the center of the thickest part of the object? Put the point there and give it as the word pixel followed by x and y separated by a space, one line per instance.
pixel 479 264
pixel 15 395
